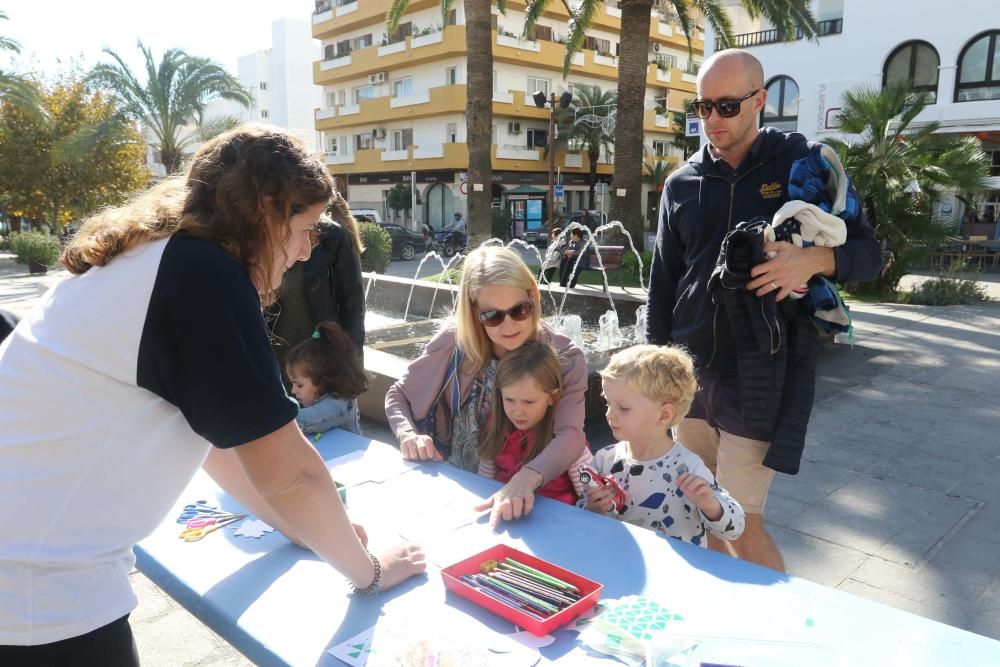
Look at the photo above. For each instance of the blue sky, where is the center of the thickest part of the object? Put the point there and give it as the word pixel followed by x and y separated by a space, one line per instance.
pixel 223 30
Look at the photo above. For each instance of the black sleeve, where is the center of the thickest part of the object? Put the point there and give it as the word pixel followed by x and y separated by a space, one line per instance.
pixel 205 347
pixel 859 259
pixel 664 273
pixel 350 290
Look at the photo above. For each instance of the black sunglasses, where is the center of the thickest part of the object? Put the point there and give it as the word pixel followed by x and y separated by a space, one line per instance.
pixel 725 108
pixel 494 317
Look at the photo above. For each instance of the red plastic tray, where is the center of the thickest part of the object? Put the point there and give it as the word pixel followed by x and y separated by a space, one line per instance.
pixel 590 591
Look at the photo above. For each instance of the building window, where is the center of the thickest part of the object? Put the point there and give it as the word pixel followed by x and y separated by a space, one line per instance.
pixel 402 87
pixel 781 110
pixel 536 85
pixel 329 52
pixel 915 63
pixel 363 142
pixel 451 133
pixel 600 46
pixel 342 95
pixel 537 138
pixel 494 135
pixel 263 85
pixel 402 139
pixel 661 148
pixel 362 93
pixel 331 100
pixel 361 42
pixel 331 146
pixel 264 113
pixel 994 157
pixel 979 69
pixel 496 81
pixel 453 17
pixel 451 76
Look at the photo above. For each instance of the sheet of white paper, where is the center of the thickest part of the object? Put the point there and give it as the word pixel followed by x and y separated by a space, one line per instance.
pixel 376 464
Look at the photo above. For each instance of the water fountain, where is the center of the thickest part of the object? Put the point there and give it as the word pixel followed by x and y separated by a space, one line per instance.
pixel 398 329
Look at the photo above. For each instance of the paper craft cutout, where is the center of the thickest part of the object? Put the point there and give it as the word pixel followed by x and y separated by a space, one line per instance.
pixel 354 651
pixel 532 641
pixel 253 528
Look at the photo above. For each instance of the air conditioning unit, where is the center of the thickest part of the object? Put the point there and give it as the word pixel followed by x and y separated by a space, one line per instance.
pixel 378 77
pixel 378 133
pixel 654 47
pixel 514 127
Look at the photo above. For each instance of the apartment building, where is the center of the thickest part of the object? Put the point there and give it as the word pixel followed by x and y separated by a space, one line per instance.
pixel 394 104
pixel 954 57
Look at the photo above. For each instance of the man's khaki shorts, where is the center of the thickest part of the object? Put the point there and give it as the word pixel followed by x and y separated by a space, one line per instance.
pixel 735 461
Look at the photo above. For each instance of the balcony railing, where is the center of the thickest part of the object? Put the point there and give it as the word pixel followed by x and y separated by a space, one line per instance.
pixel 828 27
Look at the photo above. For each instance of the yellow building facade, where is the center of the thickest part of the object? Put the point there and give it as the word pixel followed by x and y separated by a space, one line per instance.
pixel 394 104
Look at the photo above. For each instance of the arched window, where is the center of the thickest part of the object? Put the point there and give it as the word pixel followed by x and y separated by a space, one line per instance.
pixel 915 63
pixel 979 69
pixel 782 107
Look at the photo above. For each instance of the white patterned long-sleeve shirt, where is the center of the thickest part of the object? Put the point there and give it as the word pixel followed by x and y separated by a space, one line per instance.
pixel 655 502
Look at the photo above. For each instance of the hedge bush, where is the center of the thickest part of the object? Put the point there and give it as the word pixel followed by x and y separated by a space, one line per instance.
pixel 378 247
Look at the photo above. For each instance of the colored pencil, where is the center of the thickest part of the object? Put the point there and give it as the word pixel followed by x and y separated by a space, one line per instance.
pixel 538 574
pixel 539 606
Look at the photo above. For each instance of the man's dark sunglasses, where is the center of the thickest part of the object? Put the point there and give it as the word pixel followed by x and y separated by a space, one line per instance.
pixel 725 108
pixel 495 317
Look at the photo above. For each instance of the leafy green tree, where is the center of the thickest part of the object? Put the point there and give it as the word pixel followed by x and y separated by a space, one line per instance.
pixel 901 168
pixel 74 156
pixel 789 17
pixel 678 119
pixel 172 98
pixel 400 197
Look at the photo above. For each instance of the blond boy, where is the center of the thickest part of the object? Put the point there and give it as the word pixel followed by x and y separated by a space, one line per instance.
pixel 649 389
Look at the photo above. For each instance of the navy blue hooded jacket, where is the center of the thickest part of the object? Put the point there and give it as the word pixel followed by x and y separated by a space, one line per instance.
pixel 702 201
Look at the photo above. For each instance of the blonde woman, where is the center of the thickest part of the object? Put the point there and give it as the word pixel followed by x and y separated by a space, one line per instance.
pixel 444 399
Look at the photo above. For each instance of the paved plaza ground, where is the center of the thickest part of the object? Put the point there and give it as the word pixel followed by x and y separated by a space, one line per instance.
pixel 898 499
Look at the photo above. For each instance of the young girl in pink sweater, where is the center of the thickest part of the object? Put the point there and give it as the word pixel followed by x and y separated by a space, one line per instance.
pixel 528 383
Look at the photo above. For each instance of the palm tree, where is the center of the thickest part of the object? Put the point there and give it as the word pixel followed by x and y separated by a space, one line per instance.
pixel 576 132
pixel 655 175
pixel 479 105
pixel 901 168
pixel 787 16
pixel 173 97
pixel 14 88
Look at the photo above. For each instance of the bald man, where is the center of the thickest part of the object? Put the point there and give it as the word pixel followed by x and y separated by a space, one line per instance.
pixel 742 174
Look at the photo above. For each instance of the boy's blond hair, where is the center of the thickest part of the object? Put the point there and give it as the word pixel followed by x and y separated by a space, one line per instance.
pixel 664 374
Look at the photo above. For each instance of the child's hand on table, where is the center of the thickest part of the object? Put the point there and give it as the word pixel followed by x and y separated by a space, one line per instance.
pixel 700 492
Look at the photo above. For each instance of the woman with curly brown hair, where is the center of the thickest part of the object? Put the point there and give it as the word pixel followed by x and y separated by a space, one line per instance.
pixel 154 350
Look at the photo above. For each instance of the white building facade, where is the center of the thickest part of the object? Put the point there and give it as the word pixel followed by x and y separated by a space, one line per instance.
pixel 951 52
pixel 279 79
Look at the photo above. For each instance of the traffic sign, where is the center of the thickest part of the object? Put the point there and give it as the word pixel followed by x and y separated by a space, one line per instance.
pixel 693 126
pixel 559 190
pixel 463 187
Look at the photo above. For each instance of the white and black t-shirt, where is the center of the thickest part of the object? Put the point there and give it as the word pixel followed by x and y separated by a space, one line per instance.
pixel 110 393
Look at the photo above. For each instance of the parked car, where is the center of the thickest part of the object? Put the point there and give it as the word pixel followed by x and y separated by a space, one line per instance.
pixel 367 215
pixel 405 242
pixel 539 235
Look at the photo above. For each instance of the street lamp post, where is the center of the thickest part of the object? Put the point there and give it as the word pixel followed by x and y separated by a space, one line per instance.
pixel 540 102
